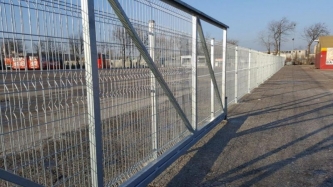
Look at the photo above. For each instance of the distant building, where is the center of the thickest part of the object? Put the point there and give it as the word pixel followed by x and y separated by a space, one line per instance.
pixel 295 56
pixel 324 53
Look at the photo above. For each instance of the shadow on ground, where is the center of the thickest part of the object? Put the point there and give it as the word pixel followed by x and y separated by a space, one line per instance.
pixel 228 132
pixel 248 173
pixel 221 138
pixel 269 169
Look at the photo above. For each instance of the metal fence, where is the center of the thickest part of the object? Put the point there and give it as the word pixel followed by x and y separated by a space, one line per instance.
pixel 246 69
pixel 108 93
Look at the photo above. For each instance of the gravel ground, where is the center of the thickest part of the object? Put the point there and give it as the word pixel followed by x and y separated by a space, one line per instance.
pixel 279 135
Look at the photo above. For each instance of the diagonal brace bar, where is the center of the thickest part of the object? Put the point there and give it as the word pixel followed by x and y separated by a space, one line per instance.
pixel 143 51
pixel 209 64
pixel 13 178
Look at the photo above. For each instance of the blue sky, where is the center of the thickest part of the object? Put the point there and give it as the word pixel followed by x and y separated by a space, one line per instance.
pixel 246 18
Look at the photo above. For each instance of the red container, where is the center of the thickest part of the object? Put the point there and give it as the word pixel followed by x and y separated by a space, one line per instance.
pixel 19 63
pixel 324 53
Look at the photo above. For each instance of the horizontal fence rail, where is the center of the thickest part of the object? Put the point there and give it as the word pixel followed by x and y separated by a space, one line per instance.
pixel 110 93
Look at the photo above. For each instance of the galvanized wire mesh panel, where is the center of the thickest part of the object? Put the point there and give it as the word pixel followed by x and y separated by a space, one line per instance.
pixel 44 98
pixel 140 120
pixel 242 72
pixel 204 86
pixel 253 70
pixel 260 65
pixel 265 67
pixel 230 73
pixel 218 69
pixel 43 105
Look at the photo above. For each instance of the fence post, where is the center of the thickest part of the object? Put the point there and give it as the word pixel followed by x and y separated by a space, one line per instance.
pixel 194 73
pixel 212 60
pixel 92 86
pixel 224 71
pixel 249 74
pixel 153 90
pixel 236 72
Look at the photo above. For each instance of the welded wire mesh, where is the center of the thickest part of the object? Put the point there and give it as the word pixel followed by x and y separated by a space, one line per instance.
pixel 203 85
pixel 260 65
pixel 253 70
pixel 43 105
pixel 209 95
pixel 247 69
pixel 218 69
pixel 230 73
pixel 151 125
pixel 44 132
pixel 242 71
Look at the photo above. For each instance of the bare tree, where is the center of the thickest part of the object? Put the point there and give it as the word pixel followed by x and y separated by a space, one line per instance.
pixel 266 40
pixel 232 41
pixel 278 30
pixel 48 47
pixel 208 38
pixel 184 44
pixel 11 47
pixel 161 41
pixel 76 46
pixel 121 36
pixel 312 33
pixel 144 36
pixel 37 47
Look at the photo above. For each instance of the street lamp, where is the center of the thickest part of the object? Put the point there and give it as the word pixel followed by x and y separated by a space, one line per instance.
pixel 292 53
pixel 293 45
pixel 294 35
pixel 279 41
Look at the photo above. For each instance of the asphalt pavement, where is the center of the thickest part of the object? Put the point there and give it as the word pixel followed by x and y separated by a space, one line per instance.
pixel 279 135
